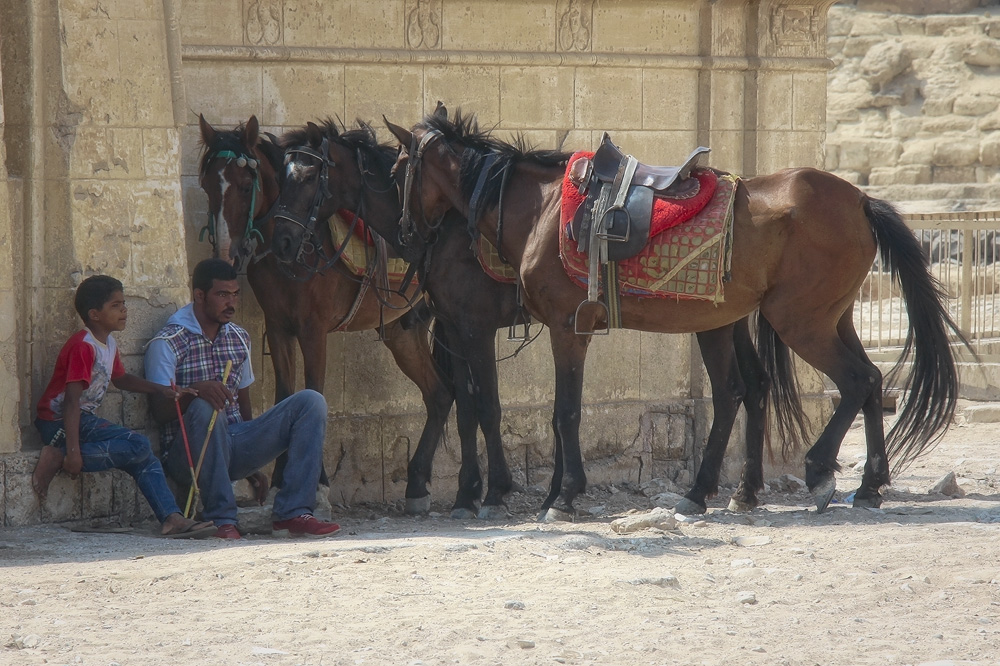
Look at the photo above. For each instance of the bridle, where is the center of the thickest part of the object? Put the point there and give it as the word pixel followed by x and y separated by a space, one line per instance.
pixel 247 245
pixel 407 228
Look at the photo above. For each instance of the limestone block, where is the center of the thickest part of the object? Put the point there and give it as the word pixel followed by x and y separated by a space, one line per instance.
pixel 91 78
pixel 374 383
pixel 20 502
pixel 808 100
pixel 884 151
pixel 299 92
pixel 727 108
pixel 975 104
pixel 957 153
pixel 852 177
pixel 310 23
pixel 874 24
pixel 145 75
pixel 242 83
pixel 845 108
pixel 359 24
pixel 211 22
pixel 854 154
pixel 780 150
pixel 839 22
pixel 918 151
pixel 987 175
pixel 374 90
pixel 114 9
pixel 835 48
pixel 663 362
pixel 774 92
pixel 884 62
pixel 670 99
pixel 942 125
pixel 990 122
pixel 910 26
pixel 616 374
pixel 644 27
pixel 857 47
pixel 905 127
pixel 106 153
pixel 190 155
pixel 727 150
pixel 521 105
pixel 161 154
pixel 912 174
pixel 982 53
pixel 528 378
pixel 517 25
pixel 118 495
pixel 157 256
pixel 944 25
pixel 610 98
pixel 831 157
pixel 953 174
pixel 474 89
pixel 989 151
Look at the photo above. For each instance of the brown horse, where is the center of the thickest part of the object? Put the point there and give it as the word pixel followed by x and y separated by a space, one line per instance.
pixel 240 172
pixel 468 305
pixel 803 242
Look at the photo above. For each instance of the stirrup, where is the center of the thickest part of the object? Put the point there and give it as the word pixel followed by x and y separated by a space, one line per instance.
pixel 522 320
pixel 576 318
pixel 602 232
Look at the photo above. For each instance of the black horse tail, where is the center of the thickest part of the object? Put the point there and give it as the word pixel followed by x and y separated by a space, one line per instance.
pixel 775 356
pixel 932 385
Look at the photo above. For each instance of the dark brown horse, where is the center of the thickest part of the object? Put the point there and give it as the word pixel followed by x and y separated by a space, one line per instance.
pixel 468 305
pixel 240 173
pixel 803 242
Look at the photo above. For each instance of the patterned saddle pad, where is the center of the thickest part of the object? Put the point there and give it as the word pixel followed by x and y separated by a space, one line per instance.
pixel 360 247
pixel 685 261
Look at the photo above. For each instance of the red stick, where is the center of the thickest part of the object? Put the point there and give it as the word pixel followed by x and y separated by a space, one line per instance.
pixel 187 445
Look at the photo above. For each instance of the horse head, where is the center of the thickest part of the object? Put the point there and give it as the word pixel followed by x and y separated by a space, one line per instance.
pixel 238 173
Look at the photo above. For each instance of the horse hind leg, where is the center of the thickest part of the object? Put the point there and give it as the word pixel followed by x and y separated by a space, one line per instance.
pixel 757 383
pixel 856 379
pixel 876 473
pixel 718 354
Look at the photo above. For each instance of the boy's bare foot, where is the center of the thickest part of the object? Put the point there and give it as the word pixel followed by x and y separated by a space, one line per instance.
pixel 49 463
pixel 177 526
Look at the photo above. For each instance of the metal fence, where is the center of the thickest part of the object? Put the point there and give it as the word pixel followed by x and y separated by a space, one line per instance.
pixel 964 251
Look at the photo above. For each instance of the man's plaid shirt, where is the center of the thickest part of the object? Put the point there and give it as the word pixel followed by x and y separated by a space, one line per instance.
pixel 200 359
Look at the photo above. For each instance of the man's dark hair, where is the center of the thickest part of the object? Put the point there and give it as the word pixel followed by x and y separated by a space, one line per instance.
pixel 209 270
pixel 93 293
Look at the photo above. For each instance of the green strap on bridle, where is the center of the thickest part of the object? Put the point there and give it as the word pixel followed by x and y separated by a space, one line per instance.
pixel 250 229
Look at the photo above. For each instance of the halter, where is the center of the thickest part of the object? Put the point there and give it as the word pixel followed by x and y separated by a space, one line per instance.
pixel 407 229
pixel 248 243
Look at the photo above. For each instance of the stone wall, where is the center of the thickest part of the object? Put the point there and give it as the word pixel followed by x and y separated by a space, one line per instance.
pixel 913 103
pixel 101 139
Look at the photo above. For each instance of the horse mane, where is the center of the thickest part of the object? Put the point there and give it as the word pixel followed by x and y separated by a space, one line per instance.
pixel 361 138
pixel 480 144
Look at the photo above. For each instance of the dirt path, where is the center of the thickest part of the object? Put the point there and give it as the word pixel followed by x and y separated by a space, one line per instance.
pixel 917 582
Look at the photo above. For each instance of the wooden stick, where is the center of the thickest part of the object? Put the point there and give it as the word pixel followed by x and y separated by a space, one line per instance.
pixel 194 492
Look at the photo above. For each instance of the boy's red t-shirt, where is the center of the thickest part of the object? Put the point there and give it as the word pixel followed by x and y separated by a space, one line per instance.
pixel 82 359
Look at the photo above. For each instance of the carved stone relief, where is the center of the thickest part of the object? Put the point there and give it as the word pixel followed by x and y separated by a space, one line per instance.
pixel 262 21
pixel 423 24
pixel 575 19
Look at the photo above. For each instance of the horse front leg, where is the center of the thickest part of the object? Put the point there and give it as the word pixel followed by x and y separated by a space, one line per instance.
pixel 569 351
pixel 483 368
pixel 282 345
pixel 312 344
pixel 718 354
pixel 412 354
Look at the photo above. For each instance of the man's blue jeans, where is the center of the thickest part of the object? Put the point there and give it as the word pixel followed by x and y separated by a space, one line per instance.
pixel 105 445
pixel 297 424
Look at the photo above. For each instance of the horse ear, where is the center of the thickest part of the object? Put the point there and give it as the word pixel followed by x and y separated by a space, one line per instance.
pixel 441 111
pixel 207 131
pixel 314 133
pixel 251 132
pixel 402 135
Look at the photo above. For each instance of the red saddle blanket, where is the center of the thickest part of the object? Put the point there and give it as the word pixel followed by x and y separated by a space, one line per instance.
pixel 686 257
pixel 666 212
pixel 358 252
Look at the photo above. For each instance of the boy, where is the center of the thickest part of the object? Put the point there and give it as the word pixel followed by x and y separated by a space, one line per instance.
pixel 78 441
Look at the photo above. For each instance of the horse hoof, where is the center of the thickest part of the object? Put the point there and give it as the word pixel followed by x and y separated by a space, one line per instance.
pixel 417 506
pixel 555 516
pixel 872 502
pixel 492 512
pixel 739 506
pixel 688 507
pixel 823 493
pixel 461 513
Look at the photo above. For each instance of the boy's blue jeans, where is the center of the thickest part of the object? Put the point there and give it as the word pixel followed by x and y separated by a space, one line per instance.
pixel 297 424
pixel 105 445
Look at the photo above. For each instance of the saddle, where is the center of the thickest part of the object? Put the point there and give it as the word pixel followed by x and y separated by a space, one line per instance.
pixel 620 192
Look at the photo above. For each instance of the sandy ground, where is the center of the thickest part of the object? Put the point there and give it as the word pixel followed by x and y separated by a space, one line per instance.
pixel 916 582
